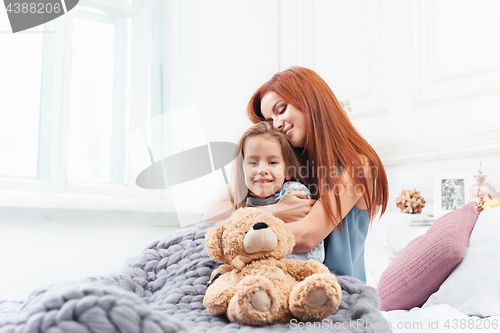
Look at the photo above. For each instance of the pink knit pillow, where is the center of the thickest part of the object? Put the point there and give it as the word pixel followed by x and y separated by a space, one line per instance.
pixel 419 269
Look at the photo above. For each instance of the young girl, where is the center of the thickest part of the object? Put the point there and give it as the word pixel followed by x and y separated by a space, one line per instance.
pixel 267 172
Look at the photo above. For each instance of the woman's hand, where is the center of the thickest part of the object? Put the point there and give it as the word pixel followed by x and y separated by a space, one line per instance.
pixel 293 207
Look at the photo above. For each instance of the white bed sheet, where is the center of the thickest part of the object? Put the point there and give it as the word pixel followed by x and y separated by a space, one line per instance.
pixel 439 318
pixel 387 237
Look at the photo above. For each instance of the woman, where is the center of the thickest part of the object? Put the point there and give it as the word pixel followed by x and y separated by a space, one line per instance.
pixel 341 169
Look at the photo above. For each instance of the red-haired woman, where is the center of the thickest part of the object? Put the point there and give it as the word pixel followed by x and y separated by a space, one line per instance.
pixel 341 169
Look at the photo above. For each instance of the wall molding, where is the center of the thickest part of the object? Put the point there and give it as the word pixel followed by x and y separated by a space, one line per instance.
pixel 305 33
pixel 431 85
pixel 378 110
pixel 449 145
pixel 297 33
pixel 374 101
pixel 299 47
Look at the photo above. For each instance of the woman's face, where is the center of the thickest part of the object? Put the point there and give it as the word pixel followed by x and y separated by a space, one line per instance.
pixel 263 166
pixel 285 118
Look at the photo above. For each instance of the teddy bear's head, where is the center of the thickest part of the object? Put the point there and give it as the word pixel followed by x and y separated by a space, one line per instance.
pixel 252 233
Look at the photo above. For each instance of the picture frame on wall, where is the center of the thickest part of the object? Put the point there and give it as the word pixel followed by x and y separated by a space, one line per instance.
pixel 451 191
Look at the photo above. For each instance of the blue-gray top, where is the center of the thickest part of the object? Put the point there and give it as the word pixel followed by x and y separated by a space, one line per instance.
pixel 345 254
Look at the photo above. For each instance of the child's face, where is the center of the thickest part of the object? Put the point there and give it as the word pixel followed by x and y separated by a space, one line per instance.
pixel 263 166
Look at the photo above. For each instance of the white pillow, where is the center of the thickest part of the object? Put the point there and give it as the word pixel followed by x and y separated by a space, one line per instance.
pixel 473 286
pixel 386 238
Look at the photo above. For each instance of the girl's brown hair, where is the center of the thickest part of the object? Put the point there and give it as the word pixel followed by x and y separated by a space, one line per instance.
pixel 265 130
pixel 331 139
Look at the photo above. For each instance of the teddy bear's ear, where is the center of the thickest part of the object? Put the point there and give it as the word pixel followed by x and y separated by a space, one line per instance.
pixel 213 240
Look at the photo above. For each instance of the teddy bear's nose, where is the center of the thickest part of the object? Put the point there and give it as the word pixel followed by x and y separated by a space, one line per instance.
pixel 260 225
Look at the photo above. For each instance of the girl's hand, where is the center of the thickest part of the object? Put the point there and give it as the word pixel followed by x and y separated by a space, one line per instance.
pixel 293 207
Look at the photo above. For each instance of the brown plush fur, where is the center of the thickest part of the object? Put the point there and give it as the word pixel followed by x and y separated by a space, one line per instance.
pixel 269 288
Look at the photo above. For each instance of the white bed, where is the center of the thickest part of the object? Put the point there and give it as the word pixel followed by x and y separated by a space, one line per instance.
pixel 467 301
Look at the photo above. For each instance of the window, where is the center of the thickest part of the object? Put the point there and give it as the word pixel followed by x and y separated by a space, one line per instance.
pixel 20 83
pixel 98 99
pixel 71 87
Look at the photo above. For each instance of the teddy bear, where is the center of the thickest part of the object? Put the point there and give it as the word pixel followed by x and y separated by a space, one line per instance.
pixel 257 285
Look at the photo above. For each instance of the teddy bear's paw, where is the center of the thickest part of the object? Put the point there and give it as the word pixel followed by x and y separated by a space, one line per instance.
pixel 255 302
pixel 316 297
pixel 260 300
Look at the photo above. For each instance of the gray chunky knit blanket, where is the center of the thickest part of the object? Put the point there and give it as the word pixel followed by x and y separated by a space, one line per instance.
pixel 161 291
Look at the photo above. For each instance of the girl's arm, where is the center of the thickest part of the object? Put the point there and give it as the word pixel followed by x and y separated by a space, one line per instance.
pixel 315 227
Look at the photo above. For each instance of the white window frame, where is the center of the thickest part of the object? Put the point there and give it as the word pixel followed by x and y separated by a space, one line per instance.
pixel 55 100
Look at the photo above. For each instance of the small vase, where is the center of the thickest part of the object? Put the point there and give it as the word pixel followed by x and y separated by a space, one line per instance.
pixel 481 191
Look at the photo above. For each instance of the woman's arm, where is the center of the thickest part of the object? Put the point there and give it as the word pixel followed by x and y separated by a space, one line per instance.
pixel 314 227
pixel 293 207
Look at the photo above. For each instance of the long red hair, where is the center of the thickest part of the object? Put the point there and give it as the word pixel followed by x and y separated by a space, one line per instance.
pixel 332 142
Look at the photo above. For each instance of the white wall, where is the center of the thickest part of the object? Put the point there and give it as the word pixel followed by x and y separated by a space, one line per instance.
pixel 441 91
pixel 424 77
pixel 41 247
pixel 218 54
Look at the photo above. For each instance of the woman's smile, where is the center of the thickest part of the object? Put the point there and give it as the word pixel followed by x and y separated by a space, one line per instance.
pixel 285 118
pixel 287 130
